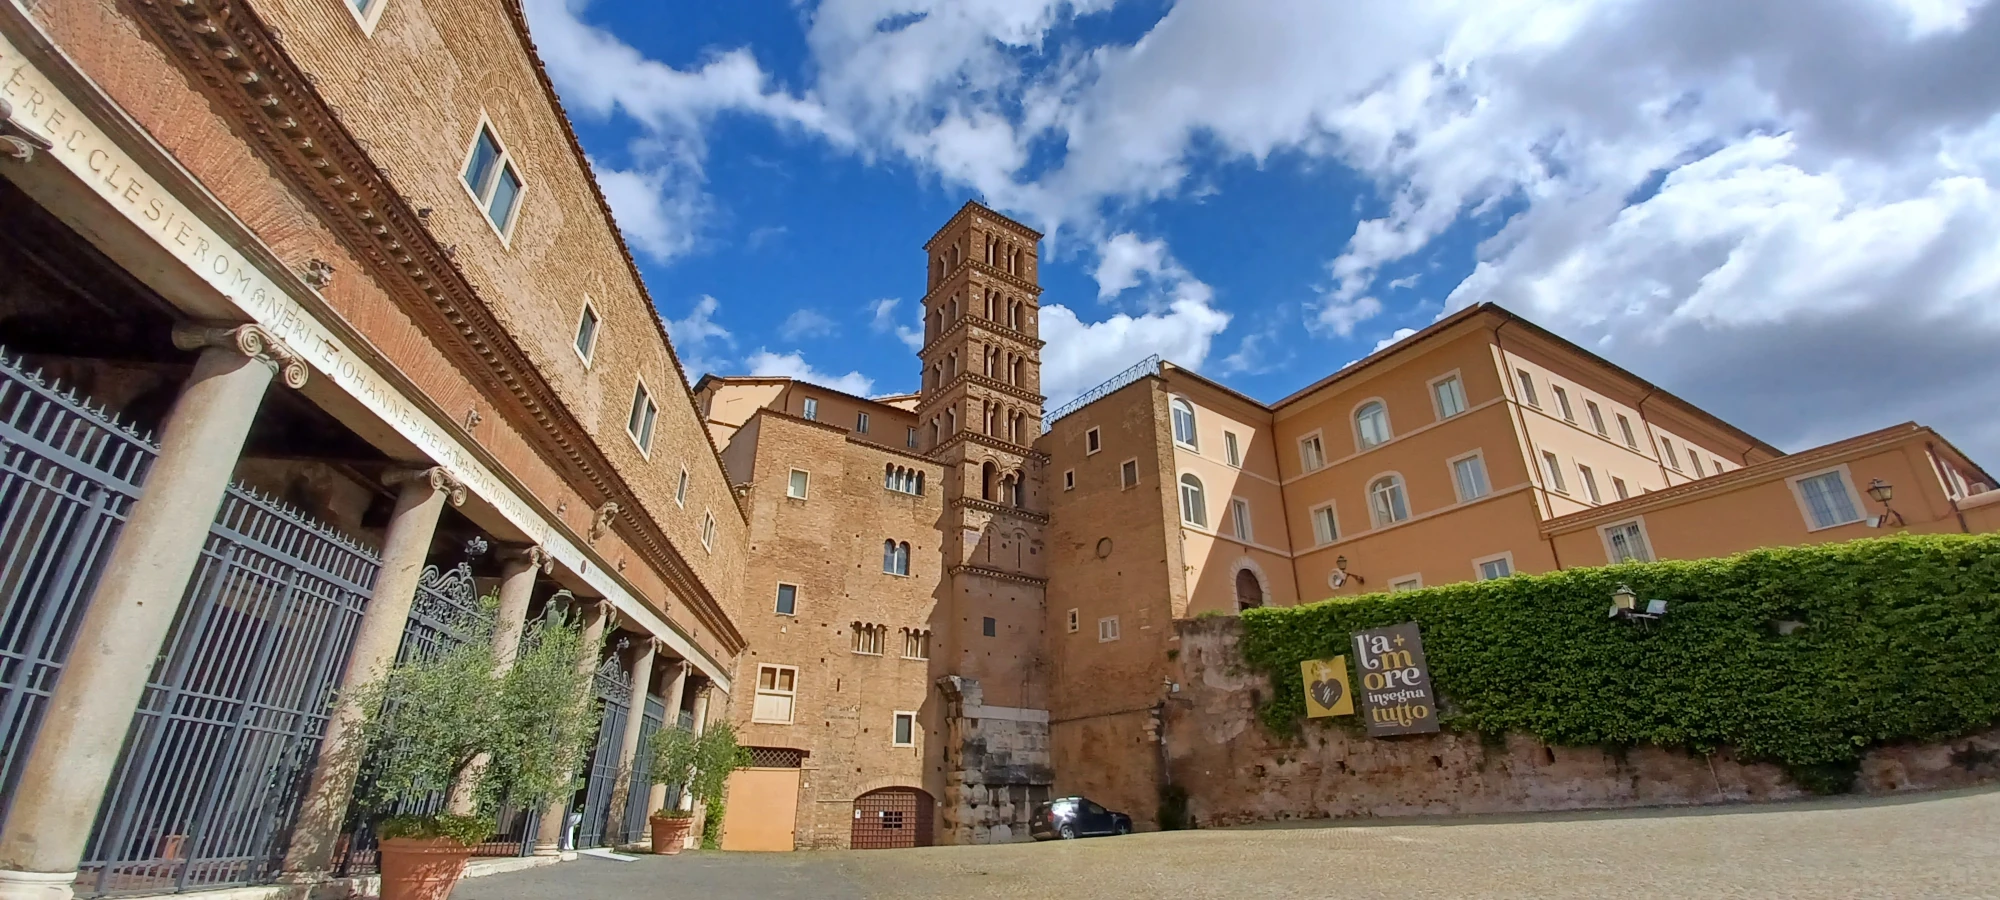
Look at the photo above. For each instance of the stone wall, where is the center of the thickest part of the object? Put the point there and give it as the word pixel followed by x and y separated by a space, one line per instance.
pixel 1236 772
pixel 996 767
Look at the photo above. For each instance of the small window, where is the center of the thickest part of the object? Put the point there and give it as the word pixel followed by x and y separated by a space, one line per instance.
pixel 1494 567
pixel 1326 529
pixel 1695 458
pixel 1128 474
pixel 1092 442
pixel 796 489
pixel 1618 487
pixel 1107 629
pixel 812 409
pixel 1673 459
pixel 777 693
pixel 866 639
pixel 1625 430
pixel 1449 393
pixel 586 332
pixel 681 490
pixel 1194 510
pixel 1589 483
pixel 1183 415
pixel 1069 479
pixel 910 439
pixel 1312 456
pixel 1239 517
pixel 1371 425
pixel 1386 500
pixel 1828 500
pixel 905 730
pixel 1230 452
pixel 708 531
pixel 1406 583
pixel 896 557
pixel 367 13
pixel 1596 418
pixel 640 423
pixel 1553 468
pixel 490 176
pixel 916 643
pixel 1468 476
pixel 1562 402
pixel 1075 620
pixel 987 626
pixel 1626 542
pixel 861 422
pixel 1528 388
pixel 788 599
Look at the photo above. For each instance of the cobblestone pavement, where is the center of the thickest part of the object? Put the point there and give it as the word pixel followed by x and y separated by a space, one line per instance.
pixel 1936 846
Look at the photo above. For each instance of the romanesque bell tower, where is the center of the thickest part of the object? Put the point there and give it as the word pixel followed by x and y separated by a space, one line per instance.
pixel 981 410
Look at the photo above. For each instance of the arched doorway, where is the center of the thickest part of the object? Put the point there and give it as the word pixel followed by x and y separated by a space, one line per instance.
pixel 1249 594
pixel 891 818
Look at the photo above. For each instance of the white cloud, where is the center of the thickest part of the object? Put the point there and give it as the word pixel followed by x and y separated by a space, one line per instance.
pixel 884 322
pixel 764 363
pixel 1079 355
pixel 658 213
pixel 805 324
pixel 699 337
pixel 1125 258
pixel 1393 337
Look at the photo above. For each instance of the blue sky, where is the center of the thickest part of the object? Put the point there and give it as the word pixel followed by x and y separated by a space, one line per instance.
pixel 1789 219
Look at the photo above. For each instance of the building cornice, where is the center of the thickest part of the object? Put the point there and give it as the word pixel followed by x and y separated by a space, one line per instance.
pixel 940 394
pixel 972 207
pixel 1032 289
pixel 972 321
pixel 974 437
pixel 998 575
pixel 236 60
pixel 1000 509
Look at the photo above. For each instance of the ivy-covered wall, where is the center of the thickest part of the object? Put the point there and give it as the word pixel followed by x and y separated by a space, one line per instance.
pixel 1806 657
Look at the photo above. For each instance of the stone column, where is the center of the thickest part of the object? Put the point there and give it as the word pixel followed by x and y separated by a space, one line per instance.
pixel 517 587
pixel 548 839
pixel 420 498
pixel 64 777
pixel 628 742
pixel 676 684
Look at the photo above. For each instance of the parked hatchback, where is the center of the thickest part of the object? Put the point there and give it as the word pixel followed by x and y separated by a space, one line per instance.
pixel 1075 817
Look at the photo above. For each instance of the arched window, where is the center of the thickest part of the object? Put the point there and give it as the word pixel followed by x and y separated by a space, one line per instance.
pixel 1194 510
pixel 889 557
pixel 987 474
pixel 903 558
pixel 1371 424
pixel 1386 500
pixel 889 476
pixel 1020 490
pixel 951 422
pixel 1183 413
pixel 934 431
pixel 920 484
pixel 1249 594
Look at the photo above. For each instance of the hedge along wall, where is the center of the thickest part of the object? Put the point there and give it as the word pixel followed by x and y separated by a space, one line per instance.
pixel 1900 642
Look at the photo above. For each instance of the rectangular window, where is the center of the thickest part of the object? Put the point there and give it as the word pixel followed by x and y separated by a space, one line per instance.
pixel 1695 458
pixel 916 643
pixel 1312 456
pixel 681 491
pixel 586 332
pixel 1128 474
pixel 910 439
pixel 1827 500
pixel 1092 442
pixel 1107 629
pixel 788 599
pixel 1069 479
pixel 1468 475
pixel 1075 620
pixel 1618 487
pixel 1325 529
pixel 708 531
pixel 1239 517
pixel 1589 483
pixel 640 423
pixel 861 422
pixel 490 176
pixel 1562 402
pixel 796 489
pixel 812 409
pixel 1406 583
pixel 1495 567
pixel 1229 451
pixel 1554 468
pixel 905 731
pixel 1625 429
pixel 1528 388
pixel 987 626
pixel 1673 459
pixel 1450 396
pixel 1626 542
pixel 1596 418
pixel 777 692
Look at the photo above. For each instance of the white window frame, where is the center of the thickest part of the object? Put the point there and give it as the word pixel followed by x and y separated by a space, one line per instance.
pixel 1611 554
pixel 1402 484
pixel 1075 620
pixel 1107 629
pixel 367 16
pixel 1093 442
pixel 1194 424
pixel 1451 471
pixel 758 690
pixel 1525 382
pixel 1672 458
pixel 791 481
pixel 589 311
pixel 1069 479
pixel 1200 498
pixel 1552 473
pixel 1354 422
pixel 1625 431
pixel 1318 442
pixel 1805 509
pixel 1479 573
pixel 1621 488
pixel 779 597
pixel 1232 452
pixel 681 489
pixel 809 409
pixel 1122 484
pixel 1333 517
pixel 501 164
pixel 895 720
pixel 910 440
pixel 1589 478
pixel 1410 582
pixel 1596 414
pixel 861 422
pixel 644 444
pixel 1562 402
pixel 1240 520
pixel 1437 404
pixel 708 531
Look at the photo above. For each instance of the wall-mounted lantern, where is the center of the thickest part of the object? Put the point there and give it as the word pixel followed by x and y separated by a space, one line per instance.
pixel 1882 492
pixel 1340 576
pixel 1625 605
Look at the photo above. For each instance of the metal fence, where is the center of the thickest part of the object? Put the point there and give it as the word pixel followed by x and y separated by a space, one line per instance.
pixel 68 477
pixel 210 781
pixel 1148 366
pixel 616 692
pixel 641 791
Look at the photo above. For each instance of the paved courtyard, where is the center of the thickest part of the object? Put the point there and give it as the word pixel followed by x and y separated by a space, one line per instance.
pixel 1939 845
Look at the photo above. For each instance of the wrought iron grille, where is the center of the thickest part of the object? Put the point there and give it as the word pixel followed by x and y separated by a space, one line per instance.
pixel 616 692
pixel 776 758
pixel 641 792
pixel 1148 366
pixel 209 784
pixel 68 477
pixel 891 818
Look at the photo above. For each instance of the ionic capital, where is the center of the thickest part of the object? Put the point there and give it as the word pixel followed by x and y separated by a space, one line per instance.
pixel 529 557
pixel 435 476
pixel 251 341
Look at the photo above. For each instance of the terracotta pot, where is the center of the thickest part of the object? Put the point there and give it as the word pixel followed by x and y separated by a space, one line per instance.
pixel 421 868
pixel 669 834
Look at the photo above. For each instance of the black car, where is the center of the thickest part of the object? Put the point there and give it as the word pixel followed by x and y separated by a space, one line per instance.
pixel 1075 817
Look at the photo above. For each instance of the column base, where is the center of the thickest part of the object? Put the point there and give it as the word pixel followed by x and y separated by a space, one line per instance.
pixel 36 885
pixel 541 849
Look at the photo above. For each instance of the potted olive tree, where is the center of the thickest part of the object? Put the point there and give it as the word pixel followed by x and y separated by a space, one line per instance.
pixel 435 717
pixel 701 766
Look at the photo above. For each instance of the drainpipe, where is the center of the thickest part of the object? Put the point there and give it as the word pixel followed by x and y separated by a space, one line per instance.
pixel 1653 440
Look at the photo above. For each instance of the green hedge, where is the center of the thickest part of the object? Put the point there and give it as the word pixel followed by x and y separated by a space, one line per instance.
pixel 1901 642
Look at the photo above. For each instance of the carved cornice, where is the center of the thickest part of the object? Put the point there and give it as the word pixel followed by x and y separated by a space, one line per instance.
pixel 999 575
pixel 974 207
pixel 251 341
pixel 1016 282
pixel 939 395
pixel 235 59
pixel 1000 509
pixel 974 321
pixel 989 442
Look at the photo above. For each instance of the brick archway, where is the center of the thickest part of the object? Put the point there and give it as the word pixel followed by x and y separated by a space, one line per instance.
pixel 890 818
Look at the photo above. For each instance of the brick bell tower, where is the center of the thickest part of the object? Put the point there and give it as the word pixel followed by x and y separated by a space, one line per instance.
pixel 981 411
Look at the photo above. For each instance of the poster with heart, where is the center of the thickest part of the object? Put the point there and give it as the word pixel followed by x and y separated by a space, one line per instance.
pixel 1326 687
pixel 1395 681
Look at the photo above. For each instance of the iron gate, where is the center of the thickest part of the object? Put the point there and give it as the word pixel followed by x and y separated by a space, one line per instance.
pixel 207 788
pixel 891 818
pixel 641 791
pixel 616 692
pixel 68 477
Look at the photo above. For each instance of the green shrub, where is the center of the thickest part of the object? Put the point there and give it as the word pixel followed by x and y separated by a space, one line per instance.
pixel 1900 641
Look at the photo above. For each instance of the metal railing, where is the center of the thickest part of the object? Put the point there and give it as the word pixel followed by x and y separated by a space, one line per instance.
pixel 210 781
pixel 616 694
pixel 641 791
pixel 69 475
pixel 1148 366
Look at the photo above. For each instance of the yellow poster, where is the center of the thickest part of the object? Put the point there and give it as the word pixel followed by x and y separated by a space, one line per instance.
pixel 1326 687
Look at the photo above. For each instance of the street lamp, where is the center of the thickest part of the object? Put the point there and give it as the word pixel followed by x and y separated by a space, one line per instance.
pixel 1625 605
pixel 1882 492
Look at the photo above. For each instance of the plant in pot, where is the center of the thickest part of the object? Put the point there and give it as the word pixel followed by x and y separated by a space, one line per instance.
pixel 701 766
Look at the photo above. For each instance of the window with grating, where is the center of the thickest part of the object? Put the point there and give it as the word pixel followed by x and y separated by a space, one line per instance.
pixel 775 758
